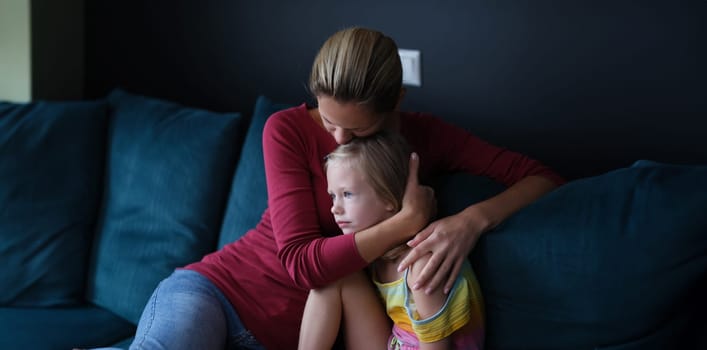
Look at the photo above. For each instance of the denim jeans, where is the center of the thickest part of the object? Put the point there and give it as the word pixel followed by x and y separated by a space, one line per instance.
pixel 187 311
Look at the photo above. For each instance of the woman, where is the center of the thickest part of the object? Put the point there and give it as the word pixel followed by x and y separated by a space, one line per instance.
pixel 251 293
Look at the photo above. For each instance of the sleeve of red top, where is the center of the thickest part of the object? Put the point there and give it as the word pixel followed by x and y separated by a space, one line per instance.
pixel 474 155
pixel 310 259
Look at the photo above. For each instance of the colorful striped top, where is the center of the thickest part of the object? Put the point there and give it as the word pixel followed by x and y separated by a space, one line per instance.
pixel 461 316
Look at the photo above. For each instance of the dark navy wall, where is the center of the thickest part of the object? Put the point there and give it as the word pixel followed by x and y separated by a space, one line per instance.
pixel 585 86
pixel 58 56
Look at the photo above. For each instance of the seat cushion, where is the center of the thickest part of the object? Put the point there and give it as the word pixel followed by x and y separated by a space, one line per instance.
pixel 52 157
pixel 619 258
pixel 249 197
pixel 169 170
pixel 61 328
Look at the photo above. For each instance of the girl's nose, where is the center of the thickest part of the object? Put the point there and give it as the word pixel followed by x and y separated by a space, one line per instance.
pixel 336 208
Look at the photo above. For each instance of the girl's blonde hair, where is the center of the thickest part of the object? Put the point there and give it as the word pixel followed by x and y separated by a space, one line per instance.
pixel 383 158
pixel 358 65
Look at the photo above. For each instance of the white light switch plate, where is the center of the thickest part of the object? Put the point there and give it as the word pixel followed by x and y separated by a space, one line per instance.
pixel 412 70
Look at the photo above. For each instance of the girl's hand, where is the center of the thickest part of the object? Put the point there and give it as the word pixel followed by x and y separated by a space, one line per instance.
pixel 449 241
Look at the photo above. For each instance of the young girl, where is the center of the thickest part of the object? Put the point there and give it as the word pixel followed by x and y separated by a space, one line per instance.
pixel 366 181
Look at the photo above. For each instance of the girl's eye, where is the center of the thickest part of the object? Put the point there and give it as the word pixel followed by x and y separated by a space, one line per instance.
pixel 332 196
pixel 348 194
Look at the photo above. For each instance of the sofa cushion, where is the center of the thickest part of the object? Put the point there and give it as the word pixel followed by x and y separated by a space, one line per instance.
pixel 168 176
pixel 617 260
pixel 249 197
pixel 61 328
pixel 51 171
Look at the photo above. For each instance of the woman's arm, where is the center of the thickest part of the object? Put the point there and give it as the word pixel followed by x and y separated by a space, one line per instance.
pixel 299 207
pixel 449 148
pixel 449 240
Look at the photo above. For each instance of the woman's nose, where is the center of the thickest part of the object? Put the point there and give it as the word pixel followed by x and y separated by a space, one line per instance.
pixel 342 136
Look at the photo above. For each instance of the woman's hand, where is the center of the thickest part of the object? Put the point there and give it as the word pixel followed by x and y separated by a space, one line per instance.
pixel 449 241
pixel 419 203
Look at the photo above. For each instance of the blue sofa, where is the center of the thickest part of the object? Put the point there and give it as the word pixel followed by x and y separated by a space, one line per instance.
pixel 100 200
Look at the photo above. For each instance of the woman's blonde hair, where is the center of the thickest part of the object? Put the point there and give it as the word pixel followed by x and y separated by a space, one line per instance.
pixel 383 158
pixel 358 65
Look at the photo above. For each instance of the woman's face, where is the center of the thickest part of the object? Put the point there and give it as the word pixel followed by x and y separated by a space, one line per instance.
pixel 345 121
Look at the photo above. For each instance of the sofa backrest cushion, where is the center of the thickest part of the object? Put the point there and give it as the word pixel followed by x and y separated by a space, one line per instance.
pixel 616 260
pixel 249 197
pixel 167 180
pixel 52 156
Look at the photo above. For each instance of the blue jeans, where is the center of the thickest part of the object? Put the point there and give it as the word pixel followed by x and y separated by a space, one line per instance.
pixel 187 311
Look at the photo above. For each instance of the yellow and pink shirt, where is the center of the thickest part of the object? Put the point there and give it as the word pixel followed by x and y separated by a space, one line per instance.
pixel 461 316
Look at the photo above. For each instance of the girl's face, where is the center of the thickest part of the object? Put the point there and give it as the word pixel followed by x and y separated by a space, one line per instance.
pixel 355 205
pixel 345 121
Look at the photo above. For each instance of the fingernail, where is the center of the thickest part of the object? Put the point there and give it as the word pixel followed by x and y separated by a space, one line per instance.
pixel 428 291
pixel 415 286
pixel 414 155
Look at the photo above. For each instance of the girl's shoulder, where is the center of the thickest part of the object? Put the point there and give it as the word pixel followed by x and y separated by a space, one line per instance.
pixel 415 269
pixel 386 270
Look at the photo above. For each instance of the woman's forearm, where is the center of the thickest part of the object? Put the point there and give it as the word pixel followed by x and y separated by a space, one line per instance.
pixel 374 241
pixel 493 211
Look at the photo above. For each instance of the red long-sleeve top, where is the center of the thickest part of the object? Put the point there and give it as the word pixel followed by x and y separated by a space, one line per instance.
pixel 297 246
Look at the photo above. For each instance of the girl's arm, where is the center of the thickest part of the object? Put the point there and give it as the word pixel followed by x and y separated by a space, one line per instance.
pixel 427 304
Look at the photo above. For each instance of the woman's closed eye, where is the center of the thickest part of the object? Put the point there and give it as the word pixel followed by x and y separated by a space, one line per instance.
pixel 358 132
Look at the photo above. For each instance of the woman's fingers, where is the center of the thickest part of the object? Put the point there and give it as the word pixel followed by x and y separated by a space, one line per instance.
pixel 414 166
pixel 417 251
pixel 435 274
pixel 430 269
pixel 418 201
pixel 453 277
pixel 437 267
pixel 419 238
